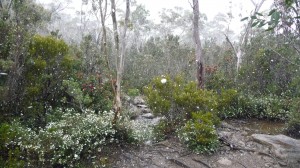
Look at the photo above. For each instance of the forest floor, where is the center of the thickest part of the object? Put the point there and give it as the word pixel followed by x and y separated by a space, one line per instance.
pixel 238 150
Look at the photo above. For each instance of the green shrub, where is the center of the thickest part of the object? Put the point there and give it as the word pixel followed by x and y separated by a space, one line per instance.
pixel 176 99
pixel 199 134
pixel 161 130
pixel 293 124
pixel 133 92
pixel 74 91
pixel 65 141
pixel 68 139
pixel 101 95
pixel 228 103
pixel 265 107
pixel 11 155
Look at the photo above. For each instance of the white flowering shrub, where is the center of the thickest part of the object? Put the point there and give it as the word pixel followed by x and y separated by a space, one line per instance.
pixel 66 141
pixel 142 130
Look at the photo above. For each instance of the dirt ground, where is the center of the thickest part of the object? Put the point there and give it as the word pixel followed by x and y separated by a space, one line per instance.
pixel 238 151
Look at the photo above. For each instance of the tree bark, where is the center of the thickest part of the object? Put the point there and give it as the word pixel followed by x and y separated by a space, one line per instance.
pixel 104 38
pixel 120 56
pixel 198 49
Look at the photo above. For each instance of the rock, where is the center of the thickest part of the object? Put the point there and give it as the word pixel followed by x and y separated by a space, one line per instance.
pixel 281 163
pixel 138 100
pixel 126 98
pixel 141 106
pixel 226 125
pixel 224 161
pixel 247 129
pixel 146 110
pixel 134 112
pixel 232 138
pixel 282 146
pixel 148 116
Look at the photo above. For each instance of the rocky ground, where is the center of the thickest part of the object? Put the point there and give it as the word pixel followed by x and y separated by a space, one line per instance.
pixel 240 149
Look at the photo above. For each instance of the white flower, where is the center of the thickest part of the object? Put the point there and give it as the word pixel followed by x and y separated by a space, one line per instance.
pixel 163 81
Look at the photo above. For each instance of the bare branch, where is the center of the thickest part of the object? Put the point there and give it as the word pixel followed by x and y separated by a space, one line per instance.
pixel 283 57
pixel 231 45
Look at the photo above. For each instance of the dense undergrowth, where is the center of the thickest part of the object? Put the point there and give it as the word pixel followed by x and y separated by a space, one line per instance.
pixel 56 98
pixel 194 113
pixel 64 141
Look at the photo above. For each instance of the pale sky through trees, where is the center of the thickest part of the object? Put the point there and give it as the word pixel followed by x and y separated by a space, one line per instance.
pixel 238 8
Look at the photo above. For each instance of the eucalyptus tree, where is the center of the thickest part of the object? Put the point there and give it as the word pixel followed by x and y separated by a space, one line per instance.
pixel 120 55
pixel 198 49
pixel 239 50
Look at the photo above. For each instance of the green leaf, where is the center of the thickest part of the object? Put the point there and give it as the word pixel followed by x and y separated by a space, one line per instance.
pixel 271 12
pixel 262 23
pixel 253 17
pixel 289 3
pixel 270 28
pixel 254 24
pixel 275 18
pixel 275 15
pixel 245 18
pixel 259 14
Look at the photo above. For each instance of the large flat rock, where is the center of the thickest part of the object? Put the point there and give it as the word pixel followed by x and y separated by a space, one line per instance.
pixel 282 146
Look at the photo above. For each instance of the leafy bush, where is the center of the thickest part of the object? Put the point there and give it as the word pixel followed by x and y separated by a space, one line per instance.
pixel 133 92
pixel 65 141
pixel 227 103
pixel 74 91
pixel 11 155
pixel 161 130
pixel 87 94
pixel 219 81
pixel 293 125
pixel 266 107
pixel 199 134
pixel 176 99
pixel 100 94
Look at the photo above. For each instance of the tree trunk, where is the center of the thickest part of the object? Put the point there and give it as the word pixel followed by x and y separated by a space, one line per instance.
pixel 198 49
pixel 104 38
pixel 120 56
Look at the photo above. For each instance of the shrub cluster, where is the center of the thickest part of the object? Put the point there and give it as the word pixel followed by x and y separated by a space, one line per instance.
pixel 62 142
pixel 177 101
pixel 266 107
pixel 199 133
pixel 293 125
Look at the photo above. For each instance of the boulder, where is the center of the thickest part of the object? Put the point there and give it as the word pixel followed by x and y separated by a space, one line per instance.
pixel 138 100
pixel 134 112
pixel 233 139
pixel 146 110
pixel 282 146
pixel 148 116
